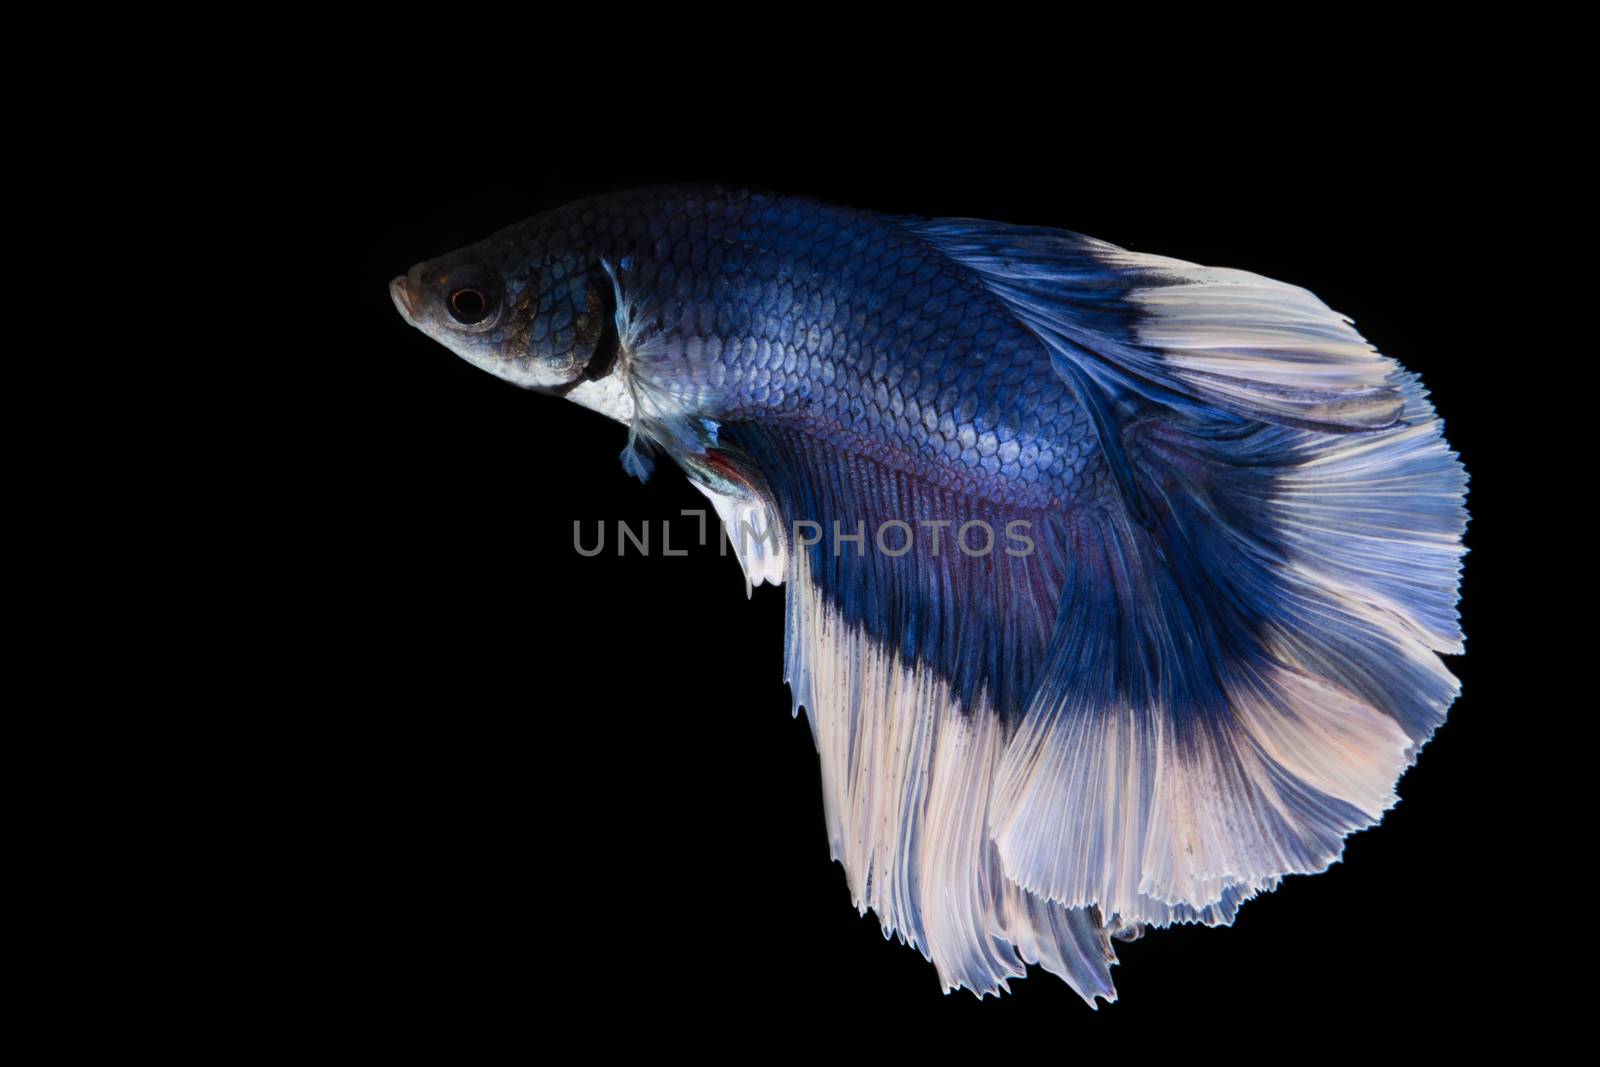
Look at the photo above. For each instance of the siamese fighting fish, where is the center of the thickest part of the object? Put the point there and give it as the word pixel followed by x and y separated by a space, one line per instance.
pixel 1115 584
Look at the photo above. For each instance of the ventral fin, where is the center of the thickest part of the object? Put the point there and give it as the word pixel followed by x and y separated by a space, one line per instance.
pixel 743 502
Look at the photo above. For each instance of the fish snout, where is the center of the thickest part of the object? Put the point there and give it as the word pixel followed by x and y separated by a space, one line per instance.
pixel 400 293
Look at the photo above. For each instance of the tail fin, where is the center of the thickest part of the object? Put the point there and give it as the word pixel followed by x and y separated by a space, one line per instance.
pixel 1243 663
pixel 1271 674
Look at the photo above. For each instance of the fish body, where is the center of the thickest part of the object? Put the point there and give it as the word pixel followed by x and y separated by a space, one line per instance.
pixel 835 321
pixel 1220 540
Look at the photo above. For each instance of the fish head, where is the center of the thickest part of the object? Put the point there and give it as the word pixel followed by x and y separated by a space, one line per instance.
pixel 509 306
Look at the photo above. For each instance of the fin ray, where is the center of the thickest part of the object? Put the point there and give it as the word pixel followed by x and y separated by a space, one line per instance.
pixel 1247 344
pixel 903 666
pixel 1243 662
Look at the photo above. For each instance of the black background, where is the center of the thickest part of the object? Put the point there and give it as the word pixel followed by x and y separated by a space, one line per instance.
pixel 560 782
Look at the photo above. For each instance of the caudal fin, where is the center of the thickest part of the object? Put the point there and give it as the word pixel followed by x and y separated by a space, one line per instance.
pixel 1244 659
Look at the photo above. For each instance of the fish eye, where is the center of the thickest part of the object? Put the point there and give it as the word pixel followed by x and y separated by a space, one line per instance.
pixel 469 305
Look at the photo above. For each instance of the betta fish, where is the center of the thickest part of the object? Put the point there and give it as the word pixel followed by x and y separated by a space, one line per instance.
pixel 1115 584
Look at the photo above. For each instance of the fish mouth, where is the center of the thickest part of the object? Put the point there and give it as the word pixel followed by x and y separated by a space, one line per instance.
pixel 402 298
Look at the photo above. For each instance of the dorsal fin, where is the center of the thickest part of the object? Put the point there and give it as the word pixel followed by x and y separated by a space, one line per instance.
pixel 1177 332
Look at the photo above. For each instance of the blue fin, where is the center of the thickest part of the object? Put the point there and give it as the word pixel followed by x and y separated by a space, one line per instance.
pixel 636 459
pixel 1227 339
pixel 1244 660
